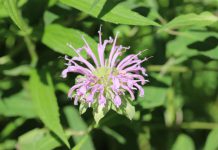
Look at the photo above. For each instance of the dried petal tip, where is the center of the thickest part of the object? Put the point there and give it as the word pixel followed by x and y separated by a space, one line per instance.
pixel 107 83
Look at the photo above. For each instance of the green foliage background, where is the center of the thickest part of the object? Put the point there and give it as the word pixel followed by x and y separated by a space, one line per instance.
pixel 180 107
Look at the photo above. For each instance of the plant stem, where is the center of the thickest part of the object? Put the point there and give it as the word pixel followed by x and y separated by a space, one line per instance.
pixel 199 125
pixel 157 68
pixel 31 49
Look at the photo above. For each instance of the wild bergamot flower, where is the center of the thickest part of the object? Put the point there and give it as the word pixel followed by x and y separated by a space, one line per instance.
pixel 108 83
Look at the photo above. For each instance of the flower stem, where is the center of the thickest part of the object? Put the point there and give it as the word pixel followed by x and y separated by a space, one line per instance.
pixel 31 49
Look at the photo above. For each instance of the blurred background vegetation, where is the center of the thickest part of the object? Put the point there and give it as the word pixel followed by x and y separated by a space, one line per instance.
pixel 180 107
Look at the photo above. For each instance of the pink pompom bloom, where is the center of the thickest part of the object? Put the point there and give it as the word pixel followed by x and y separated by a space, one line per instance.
pixel 107 80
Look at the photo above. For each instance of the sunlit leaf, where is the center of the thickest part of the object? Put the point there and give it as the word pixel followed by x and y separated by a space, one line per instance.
pixel 187 38
pixel 213 53
pixel 56 37
pixel 183 141
pixel 44 98
pixel 3 12
pixel 109 11
pixel 49 17
pixel 8 144
pixel 20 70
pixel 11 126
pixel 13 11
pixel 19 104
pixel 189 20
pixel 211 142
pixel 154 96
pixel 37 139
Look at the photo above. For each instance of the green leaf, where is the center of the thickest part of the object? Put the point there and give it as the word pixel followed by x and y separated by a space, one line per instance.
pixel 109 11
pixel 189 20
pixel 8 144
pixel 164 79
pixel 11 126
pixel 186 38
pixel 183 141
pixel 3 11
pixel 44 98
pixel 20 70
pixel 13 11
pixel 213 53
pixel 211 142
pixel 49 17
pixel 114 134
pixel 82 108
pixel 81 143
pixel 19 104
pixel 56 37
pixel 99 112
pixel 37 139
pixel 154 96
pixel 129 110
pixel 126 108
pixel 77 124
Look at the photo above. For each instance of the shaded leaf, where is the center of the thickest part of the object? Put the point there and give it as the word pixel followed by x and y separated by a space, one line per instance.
pixel 114 134
pixel 46 103
pixel 77 124
pixel 109 11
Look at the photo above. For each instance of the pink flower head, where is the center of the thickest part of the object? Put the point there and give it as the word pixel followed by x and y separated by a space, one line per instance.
pixel 107 80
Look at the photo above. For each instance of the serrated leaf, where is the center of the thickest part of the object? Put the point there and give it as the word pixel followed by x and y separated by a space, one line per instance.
pixel 56 37
pixel 19 104
pixel 183 141
pixel 189 20
pixel 37 139
pixel 109 11
pixel 154 96
pixel 44 98
pixel 211 142
pixel 77 124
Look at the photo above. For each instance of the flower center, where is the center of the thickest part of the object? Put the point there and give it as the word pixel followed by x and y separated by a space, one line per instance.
pixel 103 75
